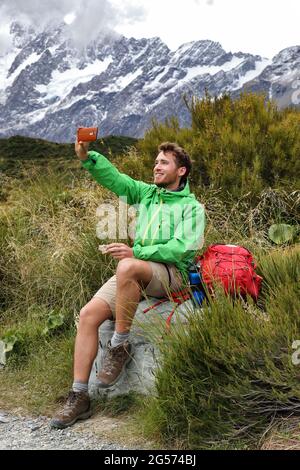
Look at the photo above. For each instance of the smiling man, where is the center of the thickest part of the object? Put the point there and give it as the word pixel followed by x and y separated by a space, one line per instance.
pixel 166 167
pixel 169 230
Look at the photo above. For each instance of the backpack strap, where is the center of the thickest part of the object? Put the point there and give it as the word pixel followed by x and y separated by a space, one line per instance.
pixel 169 274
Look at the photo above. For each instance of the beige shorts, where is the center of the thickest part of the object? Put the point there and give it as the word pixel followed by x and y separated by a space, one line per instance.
pixel 165 279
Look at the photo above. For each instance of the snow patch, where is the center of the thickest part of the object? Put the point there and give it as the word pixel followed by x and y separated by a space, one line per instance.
pixel 252 74
pixel 53 49
pixel 180 51
pixel 156 82
pixel 62 83
pixel 211 69
pixel 193 72
pixel 38 115
pixel 5 64
pixel 138 54
pixel 122 82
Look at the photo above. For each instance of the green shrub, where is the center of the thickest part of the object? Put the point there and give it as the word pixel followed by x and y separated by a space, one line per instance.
pixel 226 377
pixel 22 333
pixel 282 233
pixel 237 145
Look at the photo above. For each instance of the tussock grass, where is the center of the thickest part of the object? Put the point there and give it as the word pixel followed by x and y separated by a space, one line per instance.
pixel 227 377
pixel 246 220
pixel 49 262
pixel 49 250
pixel 40 382
pixel 224 379
pixel 119 405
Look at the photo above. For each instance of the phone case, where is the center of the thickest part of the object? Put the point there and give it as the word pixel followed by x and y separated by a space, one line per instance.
pixel 87 134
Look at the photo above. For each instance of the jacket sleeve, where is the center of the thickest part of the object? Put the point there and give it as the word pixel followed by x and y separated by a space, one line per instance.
pixel 188 236
pixel 106 174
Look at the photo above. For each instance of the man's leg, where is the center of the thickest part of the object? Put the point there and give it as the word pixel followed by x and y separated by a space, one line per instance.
pixel 132 275
pixel 92 315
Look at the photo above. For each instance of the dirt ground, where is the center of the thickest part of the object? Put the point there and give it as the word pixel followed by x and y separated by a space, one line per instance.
pixel 116 429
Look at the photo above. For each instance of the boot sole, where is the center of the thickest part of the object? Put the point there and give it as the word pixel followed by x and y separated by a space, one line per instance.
pixel 103 385
pixel 60 425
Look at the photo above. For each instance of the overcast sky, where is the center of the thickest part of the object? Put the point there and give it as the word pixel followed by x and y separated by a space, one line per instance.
pixel 257 26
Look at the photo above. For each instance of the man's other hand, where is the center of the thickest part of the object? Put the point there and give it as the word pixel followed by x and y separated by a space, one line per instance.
pixel 81 150
pixel 119 250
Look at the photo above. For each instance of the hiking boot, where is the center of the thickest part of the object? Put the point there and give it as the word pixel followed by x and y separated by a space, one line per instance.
pixel 76 407
pixel 114 364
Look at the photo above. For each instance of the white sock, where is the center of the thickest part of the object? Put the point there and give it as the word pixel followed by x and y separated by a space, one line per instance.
pixel 80 387
pixel 119 338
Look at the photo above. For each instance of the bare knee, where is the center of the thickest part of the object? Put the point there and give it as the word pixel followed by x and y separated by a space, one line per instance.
pixel 128 268
pixel 94 315
pixel 87 316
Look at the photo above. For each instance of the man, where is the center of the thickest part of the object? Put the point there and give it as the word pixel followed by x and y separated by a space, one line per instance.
pixel 169 230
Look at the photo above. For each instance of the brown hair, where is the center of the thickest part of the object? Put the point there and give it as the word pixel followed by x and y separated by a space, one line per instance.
pixel 181 157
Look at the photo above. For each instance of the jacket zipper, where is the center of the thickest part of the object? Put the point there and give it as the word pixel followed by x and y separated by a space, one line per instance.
pixel 152 218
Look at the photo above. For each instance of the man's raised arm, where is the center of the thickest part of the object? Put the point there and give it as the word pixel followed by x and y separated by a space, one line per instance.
pixel 106 174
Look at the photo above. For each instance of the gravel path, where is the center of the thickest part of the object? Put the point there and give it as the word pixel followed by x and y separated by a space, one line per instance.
pixel 27 433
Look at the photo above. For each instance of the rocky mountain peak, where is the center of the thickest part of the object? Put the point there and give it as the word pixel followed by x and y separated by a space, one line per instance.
pixel 48 88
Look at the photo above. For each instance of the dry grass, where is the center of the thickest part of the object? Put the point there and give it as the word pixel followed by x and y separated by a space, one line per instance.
pixel 49 260
pixel 287 437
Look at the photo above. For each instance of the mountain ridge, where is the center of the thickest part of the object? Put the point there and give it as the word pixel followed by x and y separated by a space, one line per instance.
pixel 48 89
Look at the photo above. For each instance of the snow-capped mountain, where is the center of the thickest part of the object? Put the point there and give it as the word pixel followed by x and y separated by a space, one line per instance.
pixel 47 89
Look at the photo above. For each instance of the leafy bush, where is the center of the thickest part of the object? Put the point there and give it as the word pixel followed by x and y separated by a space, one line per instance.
pixel 55 321
pixel 282 233
pixel 237 145
pixel 21 336
pixel 226 377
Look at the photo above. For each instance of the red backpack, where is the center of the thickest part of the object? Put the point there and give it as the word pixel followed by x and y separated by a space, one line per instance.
pixel 232 266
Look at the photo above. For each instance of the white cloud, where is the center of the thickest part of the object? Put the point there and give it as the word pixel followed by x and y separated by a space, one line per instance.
pixel 5 39
pixel 70 17
pixel 90 17
pixel 257 26
pixel 35 11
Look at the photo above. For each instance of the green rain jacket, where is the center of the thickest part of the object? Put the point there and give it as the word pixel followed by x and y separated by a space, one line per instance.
pixel 170 224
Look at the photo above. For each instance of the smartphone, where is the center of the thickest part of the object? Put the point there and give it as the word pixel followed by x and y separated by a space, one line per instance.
pixel 87 134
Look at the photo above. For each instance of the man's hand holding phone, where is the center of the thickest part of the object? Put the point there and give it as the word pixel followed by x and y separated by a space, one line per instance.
pixel 81 149
pixel 85 135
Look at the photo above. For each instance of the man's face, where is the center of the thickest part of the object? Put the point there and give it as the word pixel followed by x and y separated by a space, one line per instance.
pixel 166 173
